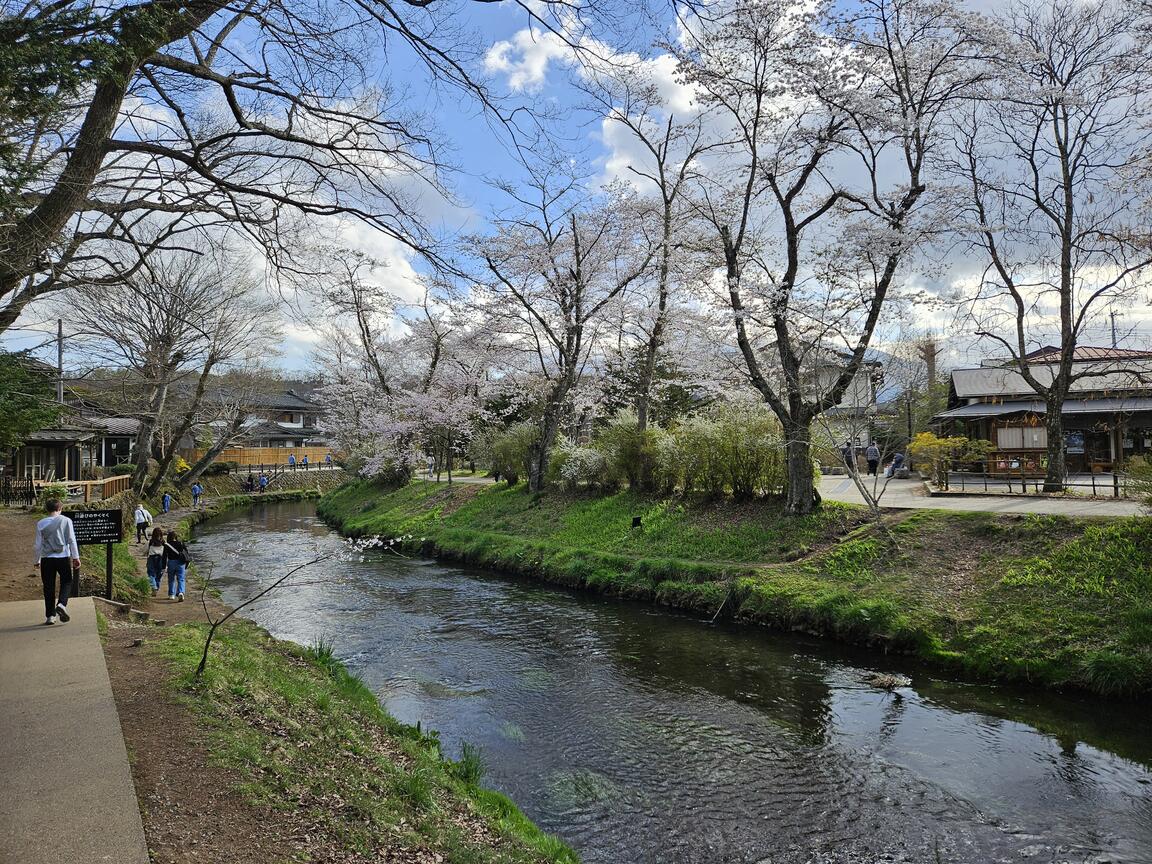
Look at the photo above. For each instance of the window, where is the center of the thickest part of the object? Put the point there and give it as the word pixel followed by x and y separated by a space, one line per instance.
pixel 1021 437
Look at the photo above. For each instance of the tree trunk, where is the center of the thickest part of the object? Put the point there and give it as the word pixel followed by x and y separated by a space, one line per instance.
pixel 801 496
pixel 1057 464
pixel 168 454
pixel 212 452
pixel 143 452
pixel 540 453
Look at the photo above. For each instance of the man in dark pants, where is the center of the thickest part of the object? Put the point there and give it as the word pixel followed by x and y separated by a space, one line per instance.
pixel 58 555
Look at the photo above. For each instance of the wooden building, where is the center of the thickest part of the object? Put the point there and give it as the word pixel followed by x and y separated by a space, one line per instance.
pixel 1107 417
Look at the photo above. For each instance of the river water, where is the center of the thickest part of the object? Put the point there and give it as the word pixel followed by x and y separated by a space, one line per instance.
pixel 641 736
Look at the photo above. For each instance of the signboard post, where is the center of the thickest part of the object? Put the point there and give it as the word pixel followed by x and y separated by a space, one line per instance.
pixel 98 526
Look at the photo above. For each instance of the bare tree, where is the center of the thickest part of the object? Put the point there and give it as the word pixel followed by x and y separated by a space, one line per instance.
pixel 175 323
pixel 252 117
pixel 1054 167
pixel 555 266
pixel 813 210
pixel 227 411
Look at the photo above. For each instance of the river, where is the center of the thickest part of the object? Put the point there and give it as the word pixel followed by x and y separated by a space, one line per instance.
pixel 638 735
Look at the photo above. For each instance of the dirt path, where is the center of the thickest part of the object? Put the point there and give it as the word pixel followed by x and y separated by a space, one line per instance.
pixel 18 577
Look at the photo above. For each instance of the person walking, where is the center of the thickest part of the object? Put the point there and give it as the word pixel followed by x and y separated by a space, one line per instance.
pixel 143 520
pixel 328 459
pixel 176 562
pixel 156 559
pixel 57 555
pixel 872 454
pixel 197 496
pixel 292 461
pixel 263 481
pixel 166 502
pixel 848 452
pixel 304 462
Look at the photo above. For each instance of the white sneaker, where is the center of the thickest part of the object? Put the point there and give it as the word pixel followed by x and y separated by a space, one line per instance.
pixel 51 619
pixel 180 597
pixel 62 611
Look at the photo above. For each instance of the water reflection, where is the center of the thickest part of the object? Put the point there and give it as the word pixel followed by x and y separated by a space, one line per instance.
pixel 641 736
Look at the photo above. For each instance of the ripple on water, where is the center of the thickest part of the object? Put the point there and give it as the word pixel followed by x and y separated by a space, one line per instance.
pixel 643 737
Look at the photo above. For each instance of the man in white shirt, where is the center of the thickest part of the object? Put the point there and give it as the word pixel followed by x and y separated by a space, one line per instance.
pixel 58 554
pixel 143 520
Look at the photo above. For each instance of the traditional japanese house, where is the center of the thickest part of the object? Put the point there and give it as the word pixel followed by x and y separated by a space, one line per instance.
pixel 1107 416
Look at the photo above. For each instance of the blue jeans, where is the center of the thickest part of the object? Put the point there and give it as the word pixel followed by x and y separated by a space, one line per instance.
pixel 155 570
pixel 175 578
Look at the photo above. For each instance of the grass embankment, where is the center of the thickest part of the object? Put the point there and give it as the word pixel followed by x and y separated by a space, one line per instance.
pixel 1048 600
pixel 314 741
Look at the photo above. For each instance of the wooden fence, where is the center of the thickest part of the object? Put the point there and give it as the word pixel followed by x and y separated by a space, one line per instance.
pixel 91 490
pixel 264 455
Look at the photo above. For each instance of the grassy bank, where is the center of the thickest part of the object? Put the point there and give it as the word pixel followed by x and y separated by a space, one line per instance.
pixel 313 740
pixel 1049 600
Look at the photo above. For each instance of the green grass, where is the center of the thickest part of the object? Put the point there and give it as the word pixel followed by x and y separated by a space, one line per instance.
pixel 1049 600
pixel 309 738
pixel 128 584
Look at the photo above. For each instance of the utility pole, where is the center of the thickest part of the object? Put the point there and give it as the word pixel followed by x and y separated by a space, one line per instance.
pixel 1112 315
pixel 60 360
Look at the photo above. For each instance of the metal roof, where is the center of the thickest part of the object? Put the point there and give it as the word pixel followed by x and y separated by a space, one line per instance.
pixel 1004 382
pixel 990 409
pixel 1070 406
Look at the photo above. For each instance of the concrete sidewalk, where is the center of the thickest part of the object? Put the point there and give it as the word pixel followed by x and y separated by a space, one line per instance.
pixel 910 494
pixel 66 792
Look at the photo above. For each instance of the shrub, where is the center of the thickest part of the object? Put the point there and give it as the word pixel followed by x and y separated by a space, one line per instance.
pixel 121 469
pixel 735 446
pixel 59 491
pixel 628 452
pixel 576 466
pixel 218 468
pixel 511 451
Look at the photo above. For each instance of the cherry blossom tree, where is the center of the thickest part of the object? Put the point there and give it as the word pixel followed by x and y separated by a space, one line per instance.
pixel 835 113
pixel 558 262
pixel 1053 166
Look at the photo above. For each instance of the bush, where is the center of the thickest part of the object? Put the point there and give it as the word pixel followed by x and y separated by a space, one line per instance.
pixel 629 452
pixel 59 491
pixel 736 447
pixel 218 468
pixel 576 466
pixel 122 469
pixel 511 450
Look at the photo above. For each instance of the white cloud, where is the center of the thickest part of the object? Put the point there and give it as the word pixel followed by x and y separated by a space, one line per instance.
pixel 525 58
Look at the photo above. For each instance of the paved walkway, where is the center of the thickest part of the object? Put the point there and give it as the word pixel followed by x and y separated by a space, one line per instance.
pixel 66 792
pixel 910 494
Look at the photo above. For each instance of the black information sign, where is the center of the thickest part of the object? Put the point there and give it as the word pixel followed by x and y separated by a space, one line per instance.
pixel 97 526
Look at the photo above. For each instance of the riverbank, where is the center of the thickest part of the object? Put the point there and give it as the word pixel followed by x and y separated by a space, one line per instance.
pixel 279 753
pixel 1049 600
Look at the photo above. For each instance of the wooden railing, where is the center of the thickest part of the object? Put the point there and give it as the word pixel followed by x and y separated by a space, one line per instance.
pixel 92 490
pixel 264 455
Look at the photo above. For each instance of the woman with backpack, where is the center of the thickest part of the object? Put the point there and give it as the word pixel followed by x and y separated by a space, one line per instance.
pixel 156 559
pixel 176 562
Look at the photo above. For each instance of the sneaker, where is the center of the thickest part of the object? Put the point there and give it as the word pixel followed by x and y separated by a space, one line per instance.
pixel 154 590
pixel 62 611
pixel 51 619
pixel 171 596
pixel 180 597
